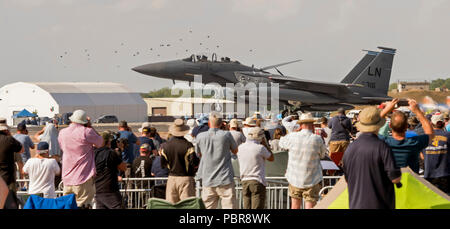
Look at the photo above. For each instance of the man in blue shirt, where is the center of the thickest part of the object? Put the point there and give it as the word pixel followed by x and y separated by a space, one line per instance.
pixel 145 139
pixel 125 132
pixel 436 156
pixel 341 128
pixel 406 150
pixel 215 170
pixel 22 137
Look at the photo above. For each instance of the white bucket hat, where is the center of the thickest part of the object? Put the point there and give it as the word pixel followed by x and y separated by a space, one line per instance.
pixel 79 116
pixel 144 125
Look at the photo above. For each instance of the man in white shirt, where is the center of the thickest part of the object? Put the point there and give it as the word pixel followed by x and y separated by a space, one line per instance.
pixel 252 155
pixel 249 123
pixel 42 171
pixel 290 123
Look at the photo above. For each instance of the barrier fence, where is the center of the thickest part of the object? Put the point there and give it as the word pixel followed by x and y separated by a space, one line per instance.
pixel 136 191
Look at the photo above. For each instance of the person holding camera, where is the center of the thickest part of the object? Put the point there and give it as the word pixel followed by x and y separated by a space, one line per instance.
pixel 77 142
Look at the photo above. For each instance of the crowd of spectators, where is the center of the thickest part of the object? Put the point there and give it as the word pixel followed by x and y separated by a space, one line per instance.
pixel 368 150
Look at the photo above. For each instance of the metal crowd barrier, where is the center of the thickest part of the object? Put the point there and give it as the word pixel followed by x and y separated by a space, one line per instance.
pixel 136 191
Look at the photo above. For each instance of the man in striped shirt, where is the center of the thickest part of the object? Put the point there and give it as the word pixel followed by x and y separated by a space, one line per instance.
pixel 304 172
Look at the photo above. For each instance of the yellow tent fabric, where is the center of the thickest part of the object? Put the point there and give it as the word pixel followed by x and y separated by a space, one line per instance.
pixel 416 193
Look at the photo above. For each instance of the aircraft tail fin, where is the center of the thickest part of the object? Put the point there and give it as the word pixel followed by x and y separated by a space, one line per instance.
pixel 377 74
pixel 362 64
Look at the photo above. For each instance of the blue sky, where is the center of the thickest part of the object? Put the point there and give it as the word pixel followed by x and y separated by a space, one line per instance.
pixel 327 35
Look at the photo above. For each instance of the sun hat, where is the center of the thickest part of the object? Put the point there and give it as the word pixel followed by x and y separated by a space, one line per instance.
pixel 437 118
pixel 234 123
pixel 79 116
pixel 3 127
pixel 42 147
pixel 250 121
pixel 370 120
pixel 306 118
pixel 178 128
pixel 255 133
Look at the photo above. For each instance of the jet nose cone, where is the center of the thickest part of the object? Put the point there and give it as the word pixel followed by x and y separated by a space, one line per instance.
pixel 150 69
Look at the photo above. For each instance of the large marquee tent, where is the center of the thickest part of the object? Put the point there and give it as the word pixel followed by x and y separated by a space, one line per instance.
pixel 48 99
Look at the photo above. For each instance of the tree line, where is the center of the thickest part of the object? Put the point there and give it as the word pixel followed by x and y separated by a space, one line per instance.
pixel 437 83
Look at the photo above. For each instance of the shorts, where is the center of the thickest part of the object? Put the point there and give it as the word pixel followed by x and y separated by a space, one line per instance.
pixel 310 194
pixel 84 193
pixel 179 188
pixel 108 200
pixel 337 149
pixel 226 193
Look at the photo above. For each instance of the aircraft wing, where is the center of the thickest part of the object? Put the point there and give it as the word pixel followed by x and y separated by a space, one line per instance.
pixel 335 89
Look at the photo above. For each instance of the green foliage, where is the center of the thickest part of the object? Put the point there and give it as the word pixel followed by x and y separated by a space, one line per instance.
pixel 166 92
pixel 440 83
pixel 392 86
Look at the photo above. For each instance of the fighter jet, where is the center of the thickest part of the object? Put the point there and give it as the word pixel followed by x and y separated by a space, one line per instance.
pixel 367 83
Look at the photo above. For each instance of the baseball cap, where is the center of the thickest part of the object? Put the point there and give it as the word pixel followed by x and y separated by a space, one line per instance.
pixel 21 126
pixel 42 147
pixel 145 146
pixel 437 118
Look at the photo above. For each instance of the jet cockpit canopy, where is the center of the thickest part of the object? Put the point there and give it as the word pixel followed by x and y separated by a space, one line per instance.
pixel 208 57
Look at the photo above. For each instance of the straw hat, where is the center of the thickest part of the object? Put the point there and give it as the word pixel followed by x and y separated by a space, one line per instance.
pixel 79 116
pixel 3 127
pixel 306 118
pixel 255 133
pixel 250 121
pixel 370 120
pixel 234 123
pixel 178 128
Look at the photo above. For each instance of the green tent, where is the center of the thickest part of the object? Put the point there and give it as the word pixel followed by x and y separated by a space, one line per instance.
pixel 416 193
pixel 189 203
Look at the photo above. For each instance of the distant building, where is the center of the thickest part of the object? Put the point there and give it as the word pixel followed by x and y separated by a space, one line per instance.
pixel 413 86
pixel 181 107
pixel 50 99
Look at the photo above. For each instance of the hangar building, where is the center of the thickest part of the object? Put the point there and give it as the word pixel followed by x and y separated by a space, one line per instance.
pixel 50 99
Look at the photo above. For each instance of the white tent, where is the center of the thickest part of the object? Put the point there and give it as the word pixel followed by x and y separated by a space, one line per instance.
pixel 48 99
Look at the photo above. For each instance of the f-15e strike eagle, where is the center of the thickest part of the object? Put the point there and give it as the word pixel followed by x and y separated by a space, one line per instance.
pixel 367 83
